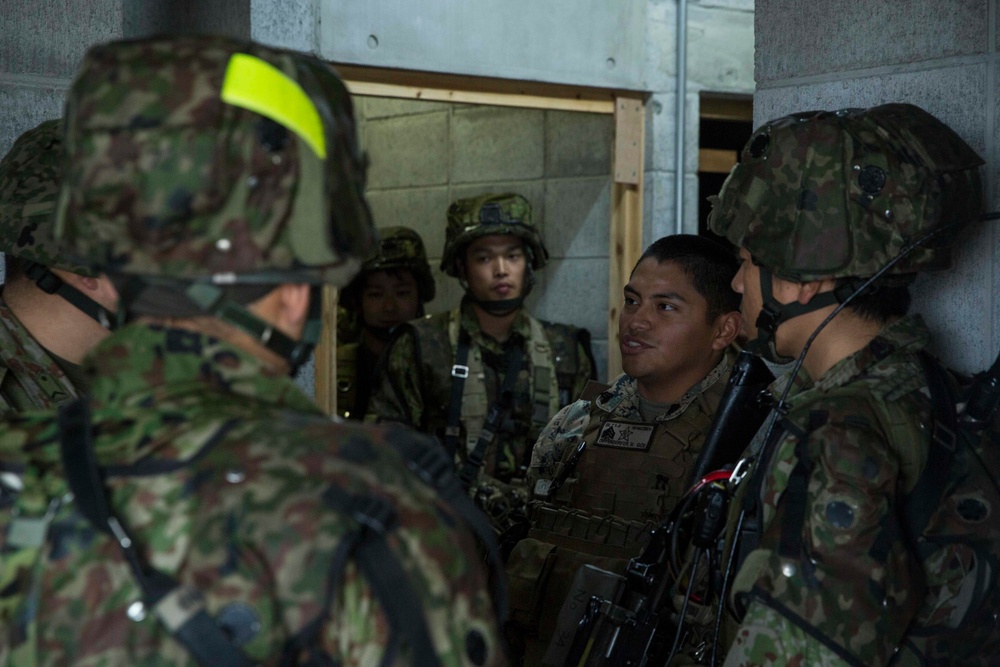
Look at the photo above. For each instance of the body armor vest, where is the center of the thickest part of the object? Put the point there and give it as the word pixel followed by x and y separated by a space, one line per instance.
pixel 543 386
pixel 630 477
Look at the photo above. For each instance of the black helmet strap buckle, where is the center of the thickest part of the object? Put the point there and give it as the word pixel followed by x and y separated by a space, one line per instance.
pixel 772 313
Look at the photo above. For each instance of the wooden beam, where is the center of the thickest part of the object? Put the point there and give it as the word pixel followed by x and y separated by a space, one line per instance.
pixel 490 99
pixel 437 87
pixel 726 108
pixel 626 212
pixel 716 160
pixel 326 355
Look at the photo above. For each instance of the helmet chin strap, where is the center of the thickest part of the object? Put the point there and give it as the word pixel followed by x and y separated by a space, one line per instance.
pixel 772 314
pixel 296 352
pixel 50 283
pixel 211 300
pixel 502 307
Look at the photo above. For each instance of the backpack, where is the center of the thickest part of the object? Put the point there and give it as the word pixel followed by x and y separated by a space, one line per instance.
pixel 952 521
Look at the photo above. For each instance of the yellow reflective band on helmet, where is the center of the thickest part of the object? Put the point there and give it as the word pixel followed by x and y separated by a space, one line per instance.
pixel 261 87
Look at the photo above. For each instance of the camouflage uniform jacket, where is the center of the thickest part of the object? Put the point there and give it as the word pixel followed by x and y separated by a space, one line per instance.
pixel 834 580
pixel 415 383
pixel 627 479
pixel 30 379
pixel 225 475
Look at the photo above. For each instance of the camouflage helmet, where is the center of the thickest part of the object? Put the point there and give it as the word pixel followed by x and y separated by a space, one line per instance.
pixel 208 159
pixel 485 215
pixel 29 187
pixel 402 248
pixel 838 194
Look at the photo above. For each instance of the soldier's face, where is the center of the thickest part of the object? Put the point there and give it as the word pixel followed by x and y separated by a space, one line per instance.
pixel 665 337
pixel 389 298
pixel 747 283
pixel 495 267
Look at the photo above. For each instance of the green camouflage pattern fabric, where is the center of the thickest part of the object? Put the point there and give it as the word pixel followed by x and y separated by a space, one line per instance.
pixel 219 468
pixel 399 248
pixel 166 178
pixel 857 588
pixel 30 379
pixel 30 174
pixel 485 215
pixel 839 194
pixel 414 388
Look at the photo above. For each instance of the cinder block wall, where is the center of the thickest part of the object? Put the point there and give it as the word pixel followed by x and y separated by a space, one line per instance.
pixel 424 155
pixel 939 55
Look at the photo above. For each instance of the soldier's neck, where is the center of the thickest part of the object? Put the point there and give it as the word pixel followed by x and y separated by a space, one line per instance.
pixel 497 327
pixel 56 324
pixel 843 336
pixel 374 344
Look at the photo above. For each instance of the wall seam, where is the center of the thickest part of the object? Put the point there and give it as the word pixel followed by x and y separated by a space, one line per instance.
pixel 35 80
pixel 872 72
pixel 991 162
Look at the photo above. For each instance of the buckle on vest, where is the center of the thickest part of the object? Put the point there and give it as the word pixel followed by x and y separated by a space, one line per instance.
pixel 458 371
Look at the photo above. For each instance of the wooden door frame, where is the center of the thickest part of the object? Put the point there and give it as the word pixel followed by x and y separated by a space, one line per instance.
pixel 625 224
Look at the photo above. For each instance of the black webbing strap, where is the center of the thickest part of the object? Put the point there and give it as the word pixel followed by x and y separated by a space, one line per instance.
pixel 925 498
pixel 50 283
pixel 179 609
pixel 459 374
pixel 382 570
pixel 434 467
pixel 796 493
pixel 494 419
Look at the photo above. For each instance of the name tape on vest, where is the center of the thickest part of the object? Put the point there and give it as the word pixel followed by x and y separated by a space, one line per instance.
pixel 626 435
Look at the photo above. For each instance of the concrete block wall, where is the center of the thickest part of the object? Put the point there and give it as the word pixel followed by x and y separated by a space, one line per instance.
pixel 424 155
pixel 941 56
pixel 41 42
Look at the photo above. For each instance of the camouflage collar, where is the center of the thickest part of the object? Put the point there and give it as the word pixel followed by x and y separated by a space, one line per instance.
pixel 520 329
pixel 147 365
pixel 906 335
pixel 622 398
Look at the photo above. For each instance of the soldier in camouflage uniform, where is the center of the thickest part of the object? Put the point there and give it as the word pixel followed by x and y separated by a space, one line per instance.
pixel 216 516
pixel 486 377
pixel 610 468
pixel 838 573
pixel 52 310
pixel 391 289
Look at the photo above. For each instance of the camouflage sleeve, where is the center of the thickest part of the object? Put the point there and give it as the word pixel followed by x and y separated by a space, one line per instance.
pixel 397 395
pixel 560 434
pixel 833 571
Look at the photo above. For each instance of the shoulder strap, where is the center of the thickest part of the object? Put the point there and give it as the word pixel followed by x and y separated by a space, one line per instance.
pixel 383 572
pixel 180 609
pixel 459 374
pixel 544 376
pixel 477 457
pixel 924 499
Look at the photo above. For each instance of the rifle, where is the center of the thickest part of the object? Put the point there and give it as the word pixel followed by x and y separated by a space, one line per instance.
pixel 636 630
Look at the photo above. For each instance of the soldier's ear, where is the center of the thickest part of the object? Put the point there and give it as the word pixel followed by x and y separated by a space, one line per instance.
pixel 285 307
pixel 806 291
pixel 727 328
